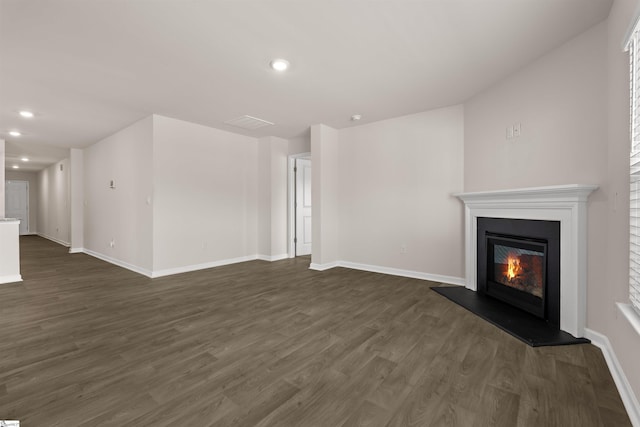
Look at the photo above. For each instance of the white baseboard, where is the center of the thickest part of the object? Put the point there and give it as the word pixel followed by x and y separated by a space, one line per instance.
pixel 55 240
pixel 391 271
pixel 176 270
pixel 404 273
pixel 323 267
pixel 10 279
pixel 203 266
pixel 272 258
pixel 624 388
pixel 118 262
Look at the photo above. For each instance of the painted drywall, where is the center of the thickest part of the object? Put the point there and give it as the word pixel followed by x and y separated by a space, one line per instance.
pixel 572 104
pixel 2 178
pixel 53 215
pixel 77 199
pixel 603 315
pixel 395 181
pixel 560 103
pixel 272 197
pixel 32 178
pixel 300 144
pixel 264 196
pixel 205 195
pixel 122 214
pixel 325 208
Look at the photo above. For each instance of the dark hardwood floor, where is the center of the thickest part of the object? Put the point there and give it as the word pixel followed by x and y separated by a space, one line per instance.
pixel 85 343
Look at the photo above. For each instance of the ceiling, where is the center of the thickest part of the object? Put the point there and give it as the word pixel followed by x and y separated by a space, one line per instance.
pixel 90 68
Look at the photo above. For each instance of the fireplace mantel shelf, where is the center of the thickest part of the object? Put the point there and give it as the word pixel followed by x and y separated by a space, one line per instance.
pixel 564 203
pixel 570 192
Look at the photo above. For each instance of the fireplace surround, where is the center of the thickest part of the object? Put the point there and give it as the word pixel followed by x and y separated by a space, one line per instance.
pixel 565 205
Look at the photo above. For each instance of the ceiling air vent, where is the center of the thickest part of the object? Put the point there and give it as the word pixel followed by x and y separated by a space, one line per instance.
pixel 248 122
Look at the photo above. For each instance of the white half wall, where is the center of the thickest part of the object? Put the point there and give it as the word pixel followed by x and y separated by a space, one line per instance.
pixel 205 197
pixel 118 218
pixel 54 217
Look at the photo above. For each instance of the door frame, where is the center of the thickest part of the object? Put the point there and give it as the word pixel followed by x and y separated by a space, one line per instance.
pixel 28 228
pixel 291 201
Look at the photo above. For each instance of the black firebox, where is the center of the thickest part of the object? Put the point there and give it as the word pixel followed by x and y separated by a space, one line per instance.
pixel 519 264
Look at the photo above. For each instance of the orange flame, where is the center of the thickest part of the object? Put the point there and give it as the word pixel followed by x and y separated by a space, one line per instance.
pixel 513 267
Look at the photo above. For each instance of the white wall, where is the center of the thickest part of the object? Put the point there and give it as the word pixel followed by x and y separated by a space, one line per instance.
pixel 76 190
pixel 205 207
pixel 2 178
pixel 396 178
pixel 300 144
pixel 560 101
pixel 605 318
pixel 121 215
pixel 32 178
pixel 53 215
pixel 272 197
pixel 573 107
pixel 325 209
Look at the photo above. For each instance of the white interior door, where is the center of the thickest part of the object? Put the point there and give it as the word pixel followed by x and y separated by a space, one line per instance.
pixel 16 203
pixel 303 207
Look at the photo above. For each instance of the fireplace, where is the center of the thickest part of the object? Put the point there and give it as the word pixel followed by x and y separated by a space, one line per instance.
pixel 563 204
pixel 519 264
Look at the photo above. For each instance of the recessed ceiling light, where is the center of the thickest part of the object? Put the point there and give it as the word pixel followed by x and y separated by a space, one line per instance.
pixel 14 133
pixel 26 114
pixel 16 167
pixel 25 159
pixel 279 64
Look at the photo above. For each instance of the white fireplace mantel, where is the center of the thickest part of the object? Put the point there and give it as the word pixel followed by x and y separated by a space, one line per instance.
pixel 564 203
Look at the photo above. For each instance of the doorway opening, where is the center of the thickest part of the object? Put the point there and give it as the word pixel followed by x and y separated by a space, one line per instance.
pixel 299 212
pixel 17 203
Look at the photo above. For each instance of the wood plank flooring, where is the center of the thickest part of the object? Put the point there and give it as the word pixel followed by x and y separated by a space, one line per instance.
pixel 85 343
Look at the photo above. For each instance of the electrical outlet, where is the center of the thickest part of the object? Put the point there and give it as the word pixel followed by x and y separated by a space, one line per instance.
pixel 403 249
pixel 112 243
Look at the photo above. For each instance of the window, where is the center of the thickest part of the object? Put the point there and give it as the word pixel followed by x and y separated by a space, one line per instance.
pixel 633 47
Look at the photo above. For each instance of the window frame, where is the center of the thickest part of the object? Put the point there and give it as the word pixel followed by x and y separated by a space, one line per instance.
pixel 633 47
